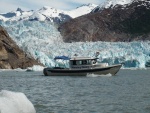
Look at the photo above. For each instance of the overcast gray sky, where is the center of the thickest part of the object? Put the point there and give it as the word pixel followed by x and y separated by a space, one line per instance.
pixel 11 5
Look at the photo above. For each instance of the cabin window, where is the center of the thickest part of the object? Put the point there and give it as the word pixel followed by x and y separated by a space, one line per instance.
pixel 80 62
pixel 84 62
pixel 74 62
pixel 94 61
pixel 89 61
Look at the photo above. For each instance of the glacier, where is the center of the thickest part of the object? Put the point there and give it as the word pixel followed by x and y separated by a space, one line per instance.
pixel 43 41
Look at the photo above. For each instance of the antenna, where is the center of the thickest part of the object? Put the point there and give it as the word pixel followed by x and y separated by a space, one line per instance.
pixel 75 55
pixel 97 53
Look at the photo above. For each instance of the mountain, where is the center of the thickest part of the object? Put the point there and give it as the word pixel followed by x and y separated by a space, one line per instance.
pixel 17 15
pixel 42 41
pixel 82 10
pixel 111 3
pixel 127 22
pixel 47 14
pixel 11 56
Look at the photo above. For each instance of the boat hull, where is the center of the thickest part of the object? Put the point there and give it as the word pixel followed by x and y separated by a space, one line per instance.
pixel 82 72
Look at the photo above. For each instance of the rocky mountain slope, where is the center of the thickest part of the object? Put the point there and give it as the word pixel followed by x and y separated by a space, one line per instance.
pixel 11 56
pixel 127 22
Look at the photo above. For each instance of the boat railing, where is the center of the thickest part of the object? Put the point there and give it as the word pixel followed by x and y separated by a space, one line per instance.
pixel 90 66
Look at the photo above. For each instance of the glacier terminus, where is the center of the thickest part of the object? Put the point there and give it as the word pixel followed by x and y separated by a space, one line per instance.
pixel 48 43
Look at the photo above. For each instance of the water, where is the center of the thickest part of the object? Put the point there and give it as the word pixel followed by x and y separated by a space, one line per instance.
pixel 128 92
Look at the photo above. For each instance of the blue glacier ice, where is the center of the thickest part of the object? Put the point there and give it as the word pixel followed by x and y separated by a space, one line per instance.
pixel 42 41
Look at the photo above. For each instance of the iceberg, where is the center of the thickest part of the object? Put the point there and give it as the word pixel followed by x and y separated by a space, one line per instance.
pixel 35 68
pixel 15 102
pixel 43 41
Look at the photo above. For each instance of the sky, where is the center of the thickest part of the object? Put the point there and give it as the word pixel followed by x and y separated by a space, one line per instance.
pixel 11 5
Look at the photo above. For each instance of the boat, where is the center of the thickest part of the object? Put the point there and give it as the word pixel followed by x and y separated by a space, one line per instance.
pixel 81 66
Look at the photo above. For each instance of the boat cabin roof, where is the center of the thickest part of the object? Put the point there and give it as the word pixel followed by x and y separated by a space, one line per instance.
pixel 74 58
pixel 83 58
pixel 62 58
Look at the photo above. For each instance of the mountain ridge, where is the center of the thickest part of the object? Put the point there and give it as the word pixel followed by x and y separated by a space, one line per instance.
pixel 47 13
pixel 129 22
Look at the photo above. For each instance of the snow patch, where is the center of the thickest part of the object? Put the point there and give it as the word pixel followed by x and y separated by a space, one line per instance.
pixel 109 3
pixel 85 9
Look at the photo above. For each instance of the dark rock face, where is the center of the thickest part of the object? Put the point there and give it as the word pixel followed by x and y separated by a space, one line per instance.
pixel 11 56
pixel 119 23
pixel 62 18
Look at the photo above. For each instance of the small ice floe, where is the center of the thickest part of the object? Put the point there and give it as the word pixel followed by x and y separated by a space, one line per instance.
pixel 96 75
pixel 1 70
pixel 29 69
pixel 35 68
pixel 19 69
pixel 143 68
pixel 15 102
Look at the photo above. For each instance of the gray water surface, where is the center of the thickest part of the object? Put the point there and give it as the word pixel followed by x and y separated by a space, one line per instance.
pixel 127 92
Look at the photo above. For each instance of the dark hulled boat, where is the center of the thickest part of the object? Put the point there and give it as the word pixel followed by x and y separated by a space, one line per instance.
pixel 81 66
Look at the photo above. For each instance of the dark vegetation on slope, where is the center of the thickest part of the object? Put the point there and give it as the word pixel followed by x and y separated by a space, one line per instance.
pixel 119 23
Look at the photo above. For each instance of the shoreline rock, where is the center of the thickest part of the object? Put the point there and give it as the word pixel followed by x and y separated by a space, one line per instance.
pixel 11 56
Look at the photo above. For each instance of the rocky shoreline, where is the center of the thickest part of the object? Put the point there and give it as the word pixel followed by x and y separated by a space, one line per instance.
pixel 11 56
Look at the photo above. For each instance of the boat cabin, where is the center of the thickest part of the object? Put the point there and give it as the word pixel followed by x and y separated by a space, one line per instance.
pixel 82 62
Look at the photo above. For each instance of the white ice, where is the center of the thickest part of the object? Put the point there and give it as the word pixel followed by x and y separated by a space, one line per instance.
pixel 96 75
pixel 15 102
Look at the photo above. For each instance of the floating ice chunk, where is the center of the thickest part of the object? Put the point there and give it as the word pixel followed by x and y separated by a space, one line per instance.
pixel 15 102
pixel 35 68
pixel 97 75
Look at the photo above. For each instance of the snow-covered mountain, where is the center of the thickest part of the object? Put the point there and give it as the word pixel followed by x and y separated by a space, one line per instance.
pixel 47 13
pixel 56 15
pixel 111 3
pixel 82 10
pixel 16 15
pixel 42 40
